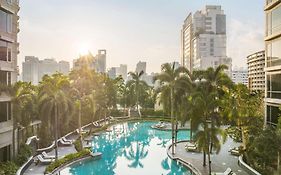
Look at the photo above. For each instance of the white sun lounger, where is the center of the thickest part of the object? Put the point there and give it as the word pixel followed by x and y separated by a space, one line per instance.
pixel 190 147
pixel 66 140
pixel 82 131
pixel 46 156
pixel 44 161
pixel 62 142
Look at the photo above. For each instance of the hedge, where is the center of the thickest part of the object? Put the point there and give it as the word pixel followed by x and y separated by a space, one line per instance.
pixel 67 159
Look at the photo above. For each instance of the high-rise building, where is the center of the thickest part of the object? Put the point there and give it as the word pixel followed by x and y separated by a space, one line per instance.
pixel 34 69
pixel 97 63
pixel 30 69
pixel 64 67
pixel 240 75
pixel 112 72
pixel 9 49
pixel 141 66
pixel 256 74
pixel 123 71
pixel 100 61
pixel 273 61
pixel 203 40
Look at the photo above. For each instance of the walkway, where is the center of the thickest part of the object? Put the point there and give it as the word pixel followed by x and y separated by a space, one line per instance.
pixel 40 168
pixel 220 162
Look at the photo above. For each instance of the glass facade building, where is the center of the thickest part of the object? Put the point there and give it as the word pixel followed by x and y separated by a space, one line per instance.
pixel 9 49
pixel 273 61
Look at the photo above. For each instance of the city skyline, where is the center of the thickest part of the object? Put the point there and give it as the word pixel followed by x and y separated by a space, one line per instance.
pixel 156 38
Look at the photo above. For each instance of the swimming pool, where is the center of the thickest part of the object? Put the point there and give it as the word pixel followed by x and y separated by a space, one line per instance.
pixel 132 148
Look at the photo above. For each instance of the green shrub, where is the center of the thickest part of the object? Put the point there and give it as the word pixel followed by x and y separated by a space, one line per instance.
pixel 25 152
pixel 77 145
pixel 8 168
pixel 116 113
pixel 68 158
pixel 152 112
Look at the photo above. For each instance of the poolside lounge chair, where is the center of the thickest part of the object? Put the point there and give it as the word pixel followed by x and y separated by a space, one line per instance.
pixel 46 156
pixel 44 161
pixel 66 140
pixel 235 151
pixel 191 147
pixel 63 143
pixel 97 125
pixel 228 171
pixel 82 131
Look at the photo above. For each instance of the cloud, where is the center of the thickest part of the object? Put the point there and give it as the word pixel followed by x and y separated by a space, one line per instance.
pixel 244 38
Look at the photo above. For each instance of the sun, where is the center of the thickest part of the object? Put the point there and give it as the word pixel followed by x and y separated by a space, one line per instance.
pixel 84 49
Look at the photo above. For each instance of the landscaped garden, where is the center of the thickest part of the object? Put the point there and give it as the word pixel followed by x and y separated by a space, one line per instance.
pixel 208 101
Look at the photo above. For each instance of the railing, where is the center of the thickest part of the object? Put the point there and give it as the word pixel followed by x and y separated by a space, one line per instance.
pixel 24 167
pixel 249 169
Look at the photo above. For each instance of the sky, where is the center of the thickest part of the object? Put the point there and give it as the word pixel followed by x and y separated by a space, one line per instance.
pixel 130 30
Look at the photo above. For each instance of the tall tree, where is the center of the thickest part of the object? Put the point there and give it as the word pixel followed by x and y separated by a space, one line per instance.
pixel 54 102
pixel 168 79
pixel 136 84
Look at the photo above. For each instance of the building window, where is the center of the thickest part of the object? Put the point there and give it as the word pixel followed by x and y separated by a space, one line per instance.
pixel 272 113
pixel 5 22
pixel 273 21
pixel 273 52
pixel 5 51
pixel 5 77
pixel 5 153
pixel 5 111
pixel 274 86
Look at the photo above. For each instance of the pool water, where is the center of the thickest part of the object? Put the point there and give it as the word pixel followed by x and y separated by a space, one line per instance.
pixel 132 148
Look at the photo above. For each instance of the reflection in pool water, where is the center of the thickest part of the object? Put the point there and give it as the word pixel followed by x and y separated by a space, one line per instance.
pixel 131 149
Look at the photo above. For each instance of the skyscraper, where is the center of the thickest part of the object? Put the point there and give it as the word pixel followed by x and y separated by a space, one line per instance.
pixel 203 40
pixel 30 70
pixel 97 63
pixel 141 66
pixel 273 61
pixel 9 46
pixel 34 69
pixel 100 61
pixel 123 71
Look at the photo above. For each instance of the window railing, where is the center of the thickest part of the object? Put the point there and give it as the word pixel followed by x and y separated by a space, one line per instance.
pixel 273 61
pixel 274 94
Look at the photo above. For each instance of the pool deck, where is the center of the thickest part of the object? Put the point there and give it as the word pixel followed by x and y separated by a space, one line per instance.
pixel 220 162
pixel 34 169
pixel 169 127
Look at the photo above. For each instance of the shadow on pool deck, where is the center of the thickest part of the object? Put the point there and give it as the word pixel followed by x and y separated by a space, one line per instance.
pixel 220 162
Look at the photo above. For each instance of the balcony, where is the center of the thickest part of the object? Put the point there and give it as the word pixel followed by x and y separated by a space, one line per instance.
pixel 6 66
pixel 270 4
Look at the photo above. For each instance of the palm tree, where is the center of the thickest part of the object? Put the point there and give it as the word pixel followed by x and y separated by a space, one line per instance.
pixel 136 84
pixel 21 93
pixel 136 155
pixel 169 78
pixel 54 103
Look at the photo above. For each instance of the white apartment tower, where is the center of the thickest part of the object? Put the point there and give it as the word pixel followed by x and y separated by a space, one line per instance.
pixel 203 40
pixel 9 49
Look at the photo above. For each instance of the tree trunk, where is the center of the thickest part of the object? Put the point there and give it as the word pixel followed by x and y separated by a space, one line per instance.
pixel 278 161
pixel 204 158
pixel 79 123
pixel 191 139
pixel 209 160
pixel 56 131
pixel 172 122
pixel 244 141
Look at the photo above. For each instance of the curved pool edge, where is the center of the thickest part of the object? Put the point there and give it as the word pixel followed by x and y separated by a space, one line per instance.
pixel 75 161
pixel 188 165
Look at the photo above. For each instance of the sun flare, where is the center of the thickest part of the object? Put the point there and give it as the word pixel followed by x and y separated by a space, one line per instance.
pixel 84 49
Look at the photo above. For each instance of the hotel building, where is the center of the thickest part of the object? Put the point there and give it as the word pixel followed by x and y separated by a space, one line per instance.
pixel 256 74
pixel 273 61
pixel 9 49
pixel 203 40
